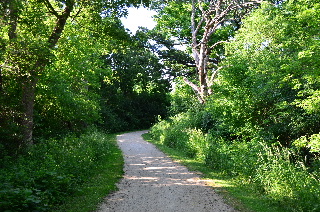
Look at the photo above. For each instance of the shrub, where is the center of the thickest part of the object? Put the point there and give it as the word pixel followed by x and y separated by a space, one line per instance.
pixel 196 144
pixel 50 171
pixel 235 158
pixel 182 132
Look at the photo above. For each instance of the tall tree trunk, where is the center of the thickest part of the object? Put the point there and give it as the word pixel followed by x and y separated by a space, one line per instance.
pixel 29 86
pixel 10 15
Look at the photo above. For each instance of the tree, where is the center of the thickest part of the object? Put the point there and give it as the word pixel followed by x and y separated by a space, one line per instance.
pixel 134 94
pixel 213 14
pixel 31 30
pixel 68 90
pixel 269 87
pixel 210 24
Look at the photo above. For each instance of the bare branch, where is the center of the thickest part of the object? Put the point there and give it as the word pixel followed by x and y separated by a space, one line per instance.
pixel 76 15
pixel 213 15
pixel 217 43
pixel 195 88
pixel 192 85
pixel 193 15
pixel 214 75
pixel 222 15
pixel 200 7
pixel 218 7
pixel 199 26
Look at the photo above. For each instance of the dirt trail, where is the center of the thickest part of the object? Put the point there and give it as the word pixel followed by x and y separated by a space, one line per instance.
pixel 154 183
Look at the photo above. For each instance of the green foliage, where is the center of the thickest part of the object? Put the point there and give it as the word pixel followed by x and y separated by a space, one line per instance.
pixel 270 169
pixel 182 98
pixel 71 88
pixel 266 94
pixel 137 111
pixel 51 171
pixel 182 131
pixel 134 93
pixel 267 82
pixel 174 20
pixel 68 90
pixel 287 182
pixel 312 143
pixel 75 87
pixel 262 123
pixel 229 158
pixel 101 182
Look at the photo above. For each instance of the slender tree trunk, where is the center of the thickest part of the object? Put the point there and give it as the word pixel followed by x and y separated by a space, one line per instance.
pixel 12 17
pixel 28 99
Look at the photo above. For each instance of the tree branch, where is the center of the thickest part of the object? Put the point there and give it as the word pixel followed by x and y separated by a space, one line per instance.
pixel 60 24
pixel 199 26
pixel 213 14
pixel 192 85
pixel 50 8
pixel 218 7
pixel 13 20
pixel 193 24
pixel 195 88
pixel 214 75
pixel 76 15
pixel 217 43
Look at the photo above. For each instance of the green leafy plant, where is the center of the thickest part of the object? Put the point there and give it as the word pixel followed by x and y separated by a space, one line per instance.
pixel 51 171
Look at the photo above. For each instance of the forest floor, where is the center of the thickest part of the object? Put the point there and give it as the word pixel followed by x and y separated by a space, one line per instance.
pixel 153 182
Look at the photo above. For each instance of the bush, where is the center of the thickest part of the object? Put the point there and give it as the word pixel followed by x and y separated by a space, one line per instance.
pixel 196 144
pixel 235 158
pixel 183 131
pixel 50 171
pixel 271 169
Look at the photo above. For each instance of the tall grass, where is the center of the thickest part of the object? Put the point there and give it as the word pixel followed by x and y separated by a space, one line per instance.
pixel 278 173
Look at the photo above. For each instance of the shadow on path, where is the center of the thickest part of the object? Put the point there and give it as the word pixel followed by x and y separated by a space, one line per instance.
pixel 154 183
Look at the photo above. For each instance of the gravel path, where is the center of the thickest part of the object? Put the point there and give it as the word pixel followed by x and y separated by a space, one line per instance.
pixel 154 183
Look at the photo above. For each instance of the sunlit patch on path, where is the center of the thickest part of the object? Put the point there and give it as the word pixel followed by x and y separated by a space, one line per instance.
pixel 154 183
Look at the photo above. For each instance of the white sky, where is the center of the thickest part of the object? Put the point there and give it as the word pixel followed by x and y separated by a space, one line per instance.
pixel 141 17
pixel 138 17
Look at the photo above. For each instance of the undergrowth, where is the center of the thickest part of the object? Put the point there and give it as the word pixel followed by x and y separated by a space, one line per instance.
pixel 276 173
pixel 53 170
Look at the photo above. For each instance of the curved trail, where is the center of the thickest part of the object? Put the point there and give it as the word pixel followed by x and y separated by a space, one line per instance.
pixel 154 183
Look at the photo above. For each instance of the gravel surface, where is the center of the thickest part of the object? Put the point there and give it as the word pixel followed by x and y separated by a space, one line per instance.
pixel 154 183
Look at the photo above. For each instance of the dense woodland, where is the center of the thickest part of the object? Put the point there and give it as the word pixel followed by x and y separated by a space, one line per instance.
pixel 242 95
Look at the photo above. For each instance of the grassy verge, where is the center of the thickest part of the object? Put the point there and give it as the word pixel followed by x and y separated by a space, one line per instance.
pixel 101 183
pixel 243 197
